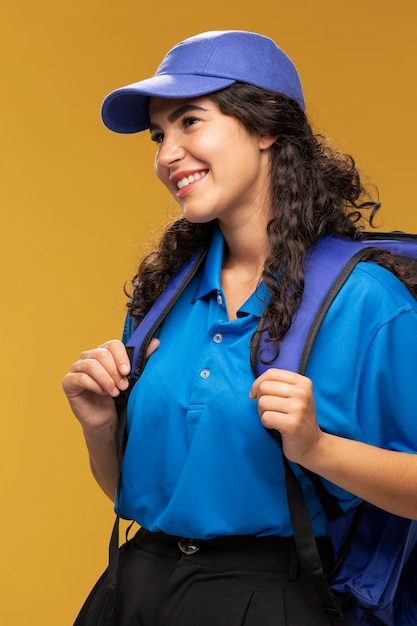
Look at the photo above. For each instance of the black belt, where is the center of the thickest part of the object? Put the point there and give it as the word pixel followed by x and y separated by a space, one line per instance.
pixel 236 552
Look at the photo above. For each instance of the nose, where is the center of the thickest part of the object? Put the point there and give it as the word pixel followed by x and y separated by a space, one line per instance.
pixel 170 151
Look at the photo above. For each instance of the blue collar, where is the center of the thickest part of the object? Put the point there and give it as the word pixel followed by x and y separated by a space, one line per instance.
pixel 210 281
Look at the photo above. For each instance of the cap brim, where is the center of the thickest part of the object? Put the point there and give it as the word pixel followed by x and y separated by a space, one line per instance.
pixel 126 110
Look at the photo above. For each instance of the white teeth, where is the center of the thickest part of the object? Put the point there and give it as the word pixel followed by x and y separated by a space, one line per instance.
pixel 190 179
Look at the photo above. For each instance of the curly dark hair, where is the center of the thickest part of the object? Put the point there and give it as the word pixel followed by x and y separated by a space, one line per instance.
pixel 316 191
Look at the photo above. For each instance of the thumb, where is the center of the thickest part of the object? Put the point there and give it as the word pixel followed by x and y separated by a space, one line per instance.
pixel 154 345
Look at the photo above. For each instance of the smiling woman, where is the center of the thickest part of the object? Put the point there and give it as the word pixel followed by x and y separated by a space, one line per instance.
pixel 200 473
pixel 210 163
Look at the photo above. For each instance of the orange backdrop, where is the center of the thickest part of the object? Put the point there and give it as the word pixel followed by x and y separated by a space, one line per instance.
pixel 77 203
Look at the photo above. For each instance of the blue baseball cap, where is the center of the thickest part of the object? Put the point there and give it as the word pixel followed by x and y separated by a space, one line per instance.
pixel 201 65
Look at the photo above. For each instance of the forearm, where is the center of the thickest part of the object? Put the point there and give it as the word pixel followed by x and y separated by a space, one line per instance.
pixel 104 463
pixel 91 386
pixel 385 478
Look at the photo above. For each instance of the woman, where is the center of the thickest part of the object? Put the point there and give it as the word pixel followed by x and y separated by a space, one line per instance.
pixel 201 474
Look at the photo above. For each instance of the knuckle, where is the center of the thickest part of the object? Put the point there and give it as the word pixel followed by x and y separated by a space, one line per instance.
pixel 303 394
pixel 111 343
pixel 265 419
pixel 262 404
pixel 268 419
pixel 83 379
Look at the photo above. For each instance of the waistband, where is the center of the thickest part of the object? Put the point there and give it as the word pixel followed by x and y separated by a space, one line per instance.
pixel 249 552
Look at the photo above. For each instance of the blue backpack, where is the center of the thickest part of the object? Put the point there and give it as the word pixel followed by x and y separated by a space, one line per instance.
pixel 374 580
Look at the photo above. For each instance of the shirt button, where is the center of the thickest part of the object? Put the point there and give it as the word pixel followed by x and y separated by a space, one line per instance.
pixel 218 338
pixel 205 373
pixel 219 299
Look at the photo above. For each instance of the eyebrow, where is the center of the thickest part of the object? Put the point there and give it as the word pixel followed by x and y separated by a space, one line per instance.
pixel 175 115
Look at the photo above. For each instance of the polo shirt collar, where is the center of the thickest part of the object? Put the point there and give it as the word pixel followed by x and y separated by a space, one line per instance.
pixel 210 279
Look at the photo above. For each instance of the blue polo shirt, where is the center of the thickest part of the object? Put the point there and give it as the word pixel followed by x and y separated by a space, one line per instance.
pixel 199 463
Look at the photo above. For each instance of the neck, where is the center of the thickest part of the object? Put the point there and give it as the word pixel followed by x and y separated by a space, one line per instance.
pixel 243 264
pixel 246 247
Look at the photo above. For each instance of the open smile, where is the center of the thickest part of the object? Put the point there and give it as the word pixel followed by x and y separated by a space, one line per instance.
pixel 187 180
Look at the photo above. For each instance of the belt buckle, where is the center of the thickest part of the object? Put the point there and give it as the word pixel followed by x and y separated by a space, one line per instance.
pixel 189 546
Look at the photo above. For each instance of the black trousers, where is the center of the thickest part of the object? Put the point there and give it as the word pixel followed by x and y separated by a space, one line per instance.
pixel 237 581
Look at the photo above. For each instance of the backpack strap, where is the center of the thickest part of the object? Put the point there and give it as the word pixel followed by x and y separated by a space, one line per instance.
pixel 136 348
pixel 139 341
pixel 327 267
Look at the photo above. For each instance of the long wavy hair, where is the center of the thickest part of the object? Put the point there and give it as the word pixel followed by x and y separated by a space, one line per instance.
pixel 315 191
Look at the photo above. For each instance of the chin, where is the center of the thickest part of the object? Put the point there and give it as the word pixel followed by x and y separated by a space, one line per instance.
pixel 196 218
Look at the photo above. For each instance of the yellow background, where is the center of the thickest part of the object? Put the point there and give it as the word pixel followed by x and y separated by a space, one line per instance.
pixel 77 200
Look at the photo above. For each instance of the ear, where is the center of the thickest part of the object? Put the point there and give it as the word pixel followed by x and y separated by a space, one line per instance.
pixel 266 141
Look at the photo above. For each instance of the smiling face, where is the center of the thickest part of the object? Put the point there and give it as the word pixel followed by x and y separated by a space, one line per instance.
pixel 208 161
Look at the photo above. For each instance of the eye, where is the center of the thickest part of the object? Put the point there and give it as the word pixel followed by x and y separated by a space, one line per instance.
pixel 157 137
pixel 189 121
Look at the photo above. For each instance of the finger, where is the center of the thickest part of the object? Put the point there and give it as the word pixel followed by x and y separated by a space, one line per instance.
pixel 113 356
pixel 276 388
pixel 275 421
pixel 99 365
pixel 77 383
pixel 277 404
pixel 118 350
pixel 153 345
pixel 276 375
pixel 286 398
pixel 273 377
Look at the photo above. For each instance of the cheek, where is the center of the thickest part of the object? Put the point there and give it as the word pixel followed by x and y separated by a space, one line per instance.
pixel 161 172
